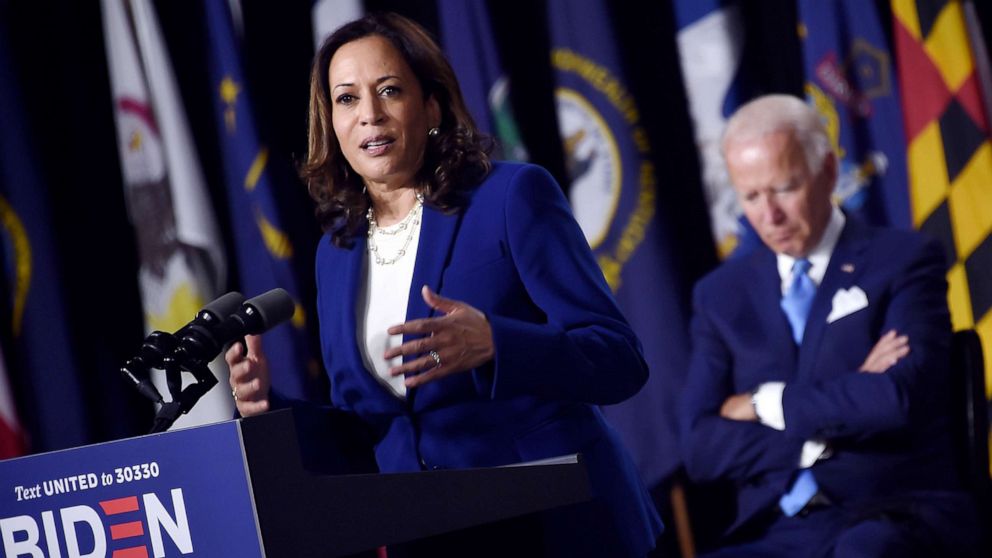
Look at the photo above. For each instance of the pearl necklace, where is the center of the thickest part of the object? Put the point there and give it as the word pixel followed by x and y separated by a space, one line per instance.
pixel 409 223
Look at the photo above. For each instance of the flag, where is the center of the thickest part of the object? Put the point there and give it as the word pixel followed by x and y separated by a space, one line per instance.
pixel 711 47
pixel 468 41
pixel 851 81
pixel 265 253
pixel 40 358
pixel 328 15
pixel 613 195
pixel 12 441
pixel 182 259
pixel 949 154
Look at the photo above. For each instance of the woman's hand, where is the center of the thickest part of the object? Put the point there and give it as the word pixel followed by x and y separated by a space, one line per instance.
pixel 890 348
pixel 249 376
pixel 461 339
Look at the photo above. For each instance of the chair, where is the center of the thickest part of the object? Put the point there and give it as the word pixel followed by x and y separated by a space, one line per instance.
pixel 971 416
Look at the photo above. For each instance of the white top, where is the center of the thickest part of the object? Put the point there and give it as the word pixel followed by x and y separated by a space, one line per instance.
pixel 768 397
pixel 383 300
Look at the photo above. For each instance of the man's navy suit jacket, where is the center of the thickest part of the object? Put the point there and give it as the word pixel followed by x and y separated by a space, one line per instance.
pixel 888 433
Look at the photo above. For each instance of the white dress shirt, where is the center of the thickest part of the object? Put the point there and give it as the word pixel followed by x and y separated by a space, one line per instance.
pixel 383 301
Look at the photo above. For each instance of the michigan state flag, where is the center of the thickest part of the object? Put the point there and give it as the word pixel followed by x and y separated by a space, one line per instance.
pixel 471 48
pixel 851 81
pixel 40 357
pixel 613 194
pixel 264 251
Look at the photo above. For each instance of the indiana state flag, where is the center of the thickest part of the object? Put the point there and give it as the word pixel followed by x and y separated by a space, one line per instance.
pixel 471 49
pixel 613 194
pixel 265 253
pixel 851 80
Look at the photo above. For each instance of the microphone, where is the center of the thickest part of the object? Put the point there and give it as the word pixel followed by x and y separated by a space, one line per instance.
pixel 159 346
pixel 256 315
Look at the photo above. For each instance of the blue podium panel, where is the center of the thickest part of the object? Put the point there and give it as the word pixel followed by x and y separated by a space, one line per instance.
pixel 181 493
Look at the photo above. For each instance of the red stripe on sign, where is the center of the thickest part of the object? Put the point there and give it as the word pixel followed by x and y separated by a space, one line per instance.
pixel 133 552
pixel 125 530
pixel 120 505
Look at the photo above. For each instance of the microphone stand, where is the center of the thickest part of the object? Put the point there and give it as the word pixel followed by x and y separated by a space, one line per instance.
pixel 162 351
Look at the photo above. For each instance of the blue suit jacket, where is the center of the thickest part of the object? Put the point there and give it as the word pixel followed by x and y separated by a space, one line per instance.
pixel 889 432
pixel 561 347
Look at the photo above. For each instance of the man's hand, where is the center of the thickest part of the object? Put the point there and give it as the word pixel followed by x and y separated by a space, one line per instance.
pixel 739 407
pixel 889 349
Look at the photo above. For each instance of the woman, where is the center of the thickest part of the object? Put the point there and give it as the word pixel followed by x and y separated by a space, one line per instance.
pixel 462 314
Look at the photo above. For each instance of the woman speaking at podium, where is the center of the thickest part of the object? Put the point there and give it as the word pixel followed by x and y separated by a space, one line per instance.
pixel 462 315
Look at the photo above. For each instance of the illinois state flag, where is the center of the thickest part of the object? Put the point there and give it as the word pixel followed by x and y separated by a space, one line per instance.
pixel 265 253
pixel 182 258
pixel 613 194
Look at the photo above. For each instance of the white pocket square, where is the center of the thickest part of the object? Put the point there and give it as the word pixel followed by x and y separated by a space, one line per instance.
pixel 847 301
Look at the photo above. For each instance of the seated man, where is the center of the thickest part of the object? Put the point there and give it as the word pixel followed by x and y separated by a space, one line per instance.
pixel 817 379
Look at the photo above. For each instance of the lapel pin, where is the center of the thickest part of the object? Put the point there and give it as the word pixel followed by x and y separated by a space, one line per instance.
pixel 847 268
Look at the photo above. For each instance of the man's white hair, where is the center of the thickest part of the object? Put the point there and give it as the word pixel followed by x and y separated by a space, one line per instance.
pixel 769 114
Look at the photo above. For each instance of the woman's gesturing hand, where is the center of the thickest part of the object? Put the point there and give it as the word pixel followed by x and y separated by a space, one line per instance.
pixel 249 376
pixel 459 340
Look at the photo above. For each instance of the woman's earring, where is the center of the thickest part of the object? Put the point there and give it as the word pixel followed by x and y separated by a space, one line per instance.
pixel 433 132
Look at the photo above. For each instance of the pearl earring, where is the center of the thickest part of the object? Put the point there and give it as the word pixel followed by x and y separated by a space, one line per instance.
pixel 433 132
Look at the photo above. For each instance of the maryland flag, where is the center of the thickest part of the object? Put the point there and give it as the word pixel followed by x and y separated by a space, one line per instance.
pixel 948 153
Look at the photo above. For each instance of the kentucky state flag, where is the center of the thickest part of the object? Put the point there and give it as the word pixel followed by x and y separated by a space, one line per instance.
pixel 613 193
pixel 264 251
pixel 851 81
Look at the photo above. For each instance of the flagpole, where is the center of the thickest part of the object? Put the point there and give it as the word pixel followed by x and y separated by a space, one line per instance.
pixel 980 54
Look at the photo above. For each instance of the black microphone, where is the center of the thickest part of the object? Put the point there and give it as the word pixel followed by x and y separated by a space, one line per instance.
pixel 256 315
pixel 204 326
pixel 159 346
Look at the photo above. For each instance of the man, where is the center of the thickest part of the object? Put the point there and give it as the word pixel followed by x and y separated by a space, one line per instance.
pixel 817 380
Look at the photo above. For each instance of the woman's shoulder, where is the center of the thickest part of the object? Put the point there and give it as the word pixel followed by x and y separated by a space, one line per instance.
pixel 509 175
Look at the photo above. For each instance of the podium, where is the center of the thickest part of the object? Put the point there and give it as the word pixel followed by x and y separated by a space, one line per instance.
pixel 244 488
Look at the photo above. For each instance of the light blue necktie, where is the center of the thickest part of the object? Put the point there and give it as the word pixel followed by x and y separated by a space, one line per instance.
pixel 798 299
pixel 796 303
pixel 803 490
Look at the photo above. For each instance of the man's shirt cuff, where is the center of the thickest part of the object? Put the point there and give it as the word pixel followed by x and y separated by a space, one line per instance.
pixel 767 400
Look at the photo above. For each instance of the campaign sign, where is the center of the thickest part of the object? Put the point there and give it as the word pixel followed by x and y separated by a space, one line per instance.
pixel 182 493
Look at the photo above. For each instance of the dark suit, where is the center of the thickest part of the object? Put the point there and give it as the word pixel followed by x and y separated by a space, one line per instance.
pixel 562 347
pixel 888 432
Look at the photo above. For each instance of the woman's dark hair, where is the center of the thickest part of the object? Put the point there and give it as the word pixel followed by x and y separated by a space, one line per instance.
pixel 455 161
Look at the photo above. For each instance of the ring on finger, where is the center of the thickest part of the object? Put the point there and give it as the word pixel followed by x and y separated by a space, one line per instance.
pixel 437 358
pixel 234 393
